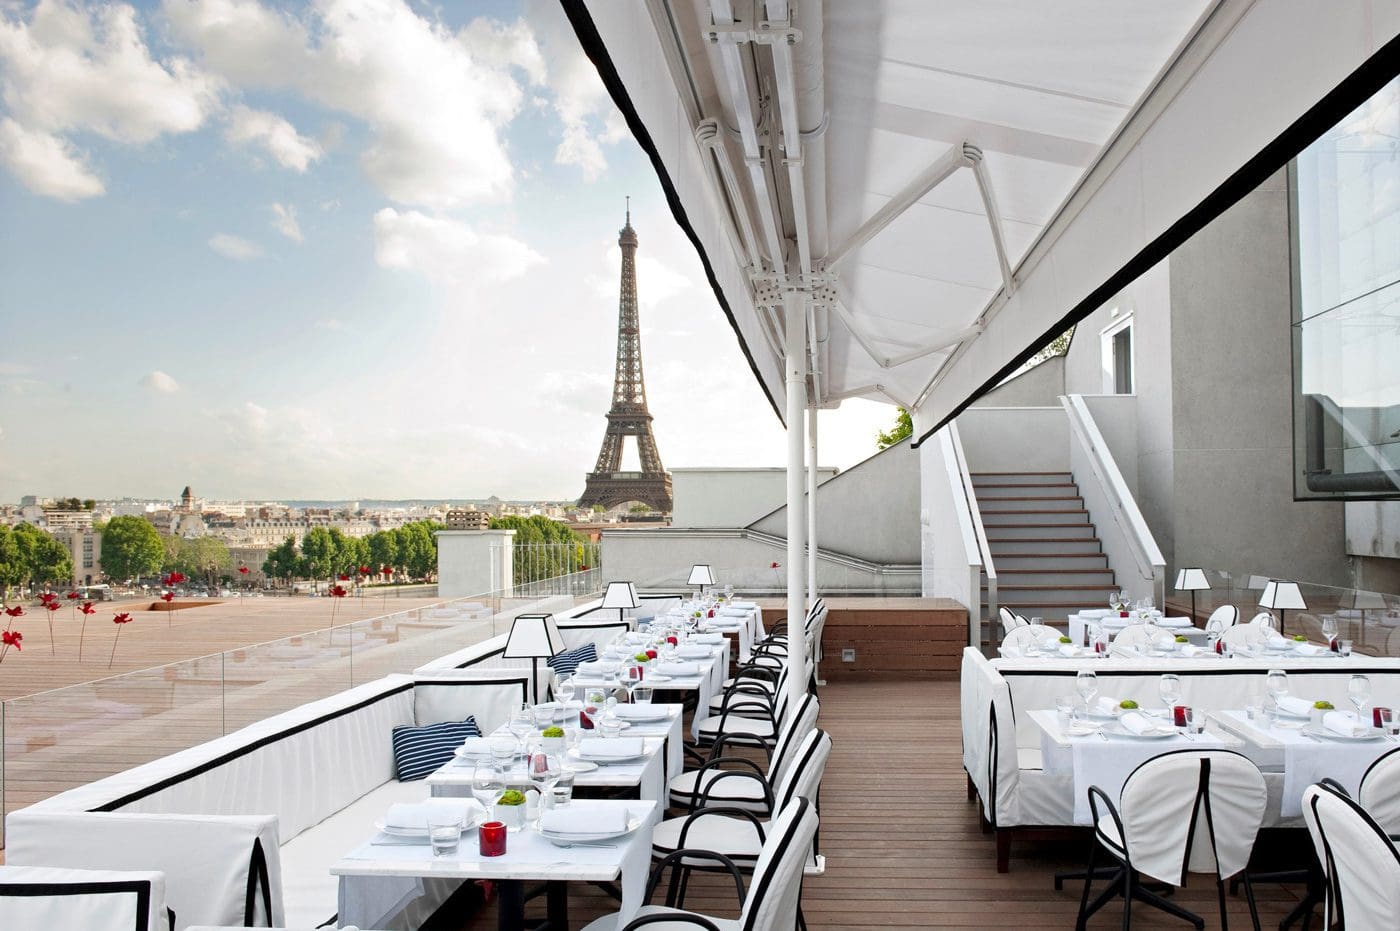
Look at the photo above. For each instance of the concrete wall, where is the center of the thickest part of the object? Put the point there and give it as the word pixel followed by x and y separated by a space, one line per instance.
pixel 1015 439
pixel 948 545
pixel 1036 387
pixel 870 511
pixel 1116 417
pixel 474 562
pixel 1232 403
pixel 716 497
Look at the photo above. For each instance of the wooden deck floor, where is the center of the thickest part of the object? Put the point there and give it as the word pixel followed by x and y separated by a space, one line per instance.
pixel 904 848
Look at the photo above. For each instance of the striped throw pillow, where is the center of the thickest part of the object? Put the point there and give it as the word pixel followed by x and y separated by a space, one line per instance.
pixel 419 751
pixel 566 663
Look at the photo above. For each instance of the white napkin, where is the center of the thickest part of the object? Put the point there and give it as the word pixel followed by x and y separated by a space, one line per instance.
pixel 584 819
pixel 1137 722
pixel 1311 649
pixel 477 746
pixel 698 651
pixel 678 669
pixel 1292 704
pixel 413 816
pixel 638 637
pixel 591 667
pixel 1097 612
pixel 733 612
pixel 641 712
pixel 1339 722
pixel 1173 622
pixel 707 638
pixel 615 748
pixel 746 605
pixel 1068 649
pixel 1105 705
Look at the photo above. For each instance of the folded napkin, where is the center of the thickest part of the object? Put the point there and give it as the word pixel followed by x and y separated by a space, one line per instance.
pixel 1173 622
pixel 584 819
pixel 1339 722
pixel 1311 649
pixel 698 651
pixel 1068 649
pixel 413 816
pixel 724 623
pixel 477 746
pixel 615 748
pixel 1097 612
pixel 678 669
pixel 733 612
pixel 593 667
pixel 638 637
pixel 640 712
pixel 1105 704
pixel 1291 704
pixel 715 638
pixel 746 605
pixel 1190 650
pixel 1138 723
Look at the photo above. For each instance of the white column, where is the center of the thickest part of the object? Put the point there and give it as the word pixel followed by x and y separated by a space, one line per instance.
pixel 812 504
pixel 795 368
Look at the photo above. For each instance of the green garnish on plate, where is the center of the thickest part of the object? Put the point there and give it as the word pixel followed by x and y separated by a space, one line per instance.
pixel 1324 705
pixel 511 797
pixel 552 732
pixel 1128 704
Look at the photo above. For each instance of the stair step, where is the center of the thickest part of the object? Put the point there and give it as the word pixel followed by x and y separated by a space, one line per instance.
pixel 1042 594
pixel 1046 518
pixel 985 492
pixel 1049 561
pixel 1071 503
pixel 1054 577
pixel 1039 532
pixel 1021 478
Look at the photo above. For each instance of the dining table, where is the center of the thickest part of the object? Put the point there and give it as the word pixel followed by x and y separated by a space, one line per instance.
pixel 1113 622
pixel 706 680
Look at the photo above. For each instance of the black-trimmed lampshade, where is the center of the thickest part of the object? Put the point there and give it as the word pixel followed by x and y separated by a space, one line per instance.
pixel 1282 594
pixel 700 574
pixel 620 595
pixel 1192 580
pixel 533 635
pixel 1367 601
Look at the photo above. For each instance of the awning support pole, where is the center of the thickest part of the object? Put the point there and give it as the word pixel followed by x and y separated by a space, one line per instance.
pixel 795 369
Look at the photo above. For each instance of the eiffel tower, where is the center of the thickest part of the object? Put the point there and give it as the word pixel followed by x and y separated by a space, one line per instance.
pixel 607 485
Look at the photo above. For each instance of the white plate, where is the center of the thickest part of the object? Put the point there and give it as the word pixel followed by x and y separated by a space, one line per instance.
pixel 578 766
pixel 650 679
pixel 563 840
pixel 415 833
pixel 1313 730
pixel 1162 732
pixel 574 756
pixel 463 753
pixel 657 713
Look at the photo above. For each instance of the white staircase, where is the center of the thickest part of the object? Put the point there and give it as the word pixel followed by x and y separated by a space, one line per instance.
pixel 1048 557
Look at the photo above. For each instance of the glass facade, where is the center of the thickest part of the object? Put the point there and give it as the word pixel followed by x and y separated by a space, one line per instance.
pixel 1346 306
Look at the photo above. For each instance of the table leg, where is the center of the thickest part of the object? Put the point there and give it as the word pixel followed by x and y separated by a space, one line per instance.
pixel 510 905
pixel 557 906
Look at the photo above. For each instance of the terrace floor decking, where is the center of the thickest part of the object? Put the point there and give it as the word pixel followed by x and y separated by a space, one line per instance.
pixel 904 847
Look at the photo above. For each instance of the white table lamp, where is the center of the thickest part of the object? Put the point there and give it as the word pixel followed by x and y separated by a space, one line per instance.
pixel 1192 580
pixel 531 637
pixel 701 575
pixel 620 595
pixel 1282 595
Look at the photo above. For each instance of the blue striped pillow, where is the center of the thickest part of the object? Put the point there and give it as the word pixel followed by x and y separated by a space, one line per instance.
pixel 566 663
pixel 419 751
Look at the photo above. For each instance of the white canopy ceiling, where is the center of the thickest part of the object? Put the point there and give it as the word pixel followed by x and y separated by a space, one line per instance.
pixel 971 177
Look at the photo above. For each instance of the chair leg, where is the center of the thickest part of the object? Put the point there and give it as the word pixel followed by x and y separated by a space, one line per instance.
pixel 1220 888
pixel 1088 881
pixel 1128 892
pixel 1003 850
pixel 971 790
pixel 1249 897
pixel 1171 908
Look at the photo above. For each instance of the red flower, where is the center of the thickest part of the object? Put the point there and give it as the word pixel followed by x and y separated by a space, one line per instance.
pixel 87 608
pixel 339 592
pixel 364 570
pixel 11 638
pixel 51 605
pixel 173 579
pixel 772 565
pixel 46 597
pixel 72 596
pixel 343 578
pixel 168 597
pixel 387 570
pixel 583 567
pixel 16 611
pixel 243 570
pixel 122 618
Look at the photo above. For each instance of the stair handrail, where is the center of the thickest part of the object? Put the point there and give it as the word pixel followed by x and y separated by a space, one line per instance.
pixel 967 536
pixel 1151 566
pixel 974 512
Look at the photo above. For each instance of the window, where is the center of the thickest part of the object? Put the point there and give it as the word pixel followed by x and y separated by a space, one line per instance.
pixel 1116 341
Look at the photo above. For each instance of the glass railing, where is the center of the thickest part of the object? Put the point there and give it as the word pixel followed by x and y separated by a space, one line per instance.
pixel 1369 619
pixel 55 740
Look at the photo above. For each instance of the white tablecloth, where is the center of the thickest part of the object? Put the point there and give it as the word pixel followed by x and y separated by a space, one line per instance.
pixel 454 779
pixel 708 684
pixel 1106 763
pixel 1112 625
pixel 378 880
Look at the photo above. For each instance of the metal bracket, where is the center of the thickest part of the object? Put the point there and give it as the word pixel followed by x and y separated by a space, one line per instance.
pixel 766 33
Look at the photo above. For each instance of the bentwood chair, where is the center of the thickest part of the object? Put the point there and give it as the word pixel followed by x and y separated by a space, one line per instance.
pixel 774 895
pixel 1183 812
pixel 1010 620
pixel 1227 616
pixel 1362 865
pixel 1379 792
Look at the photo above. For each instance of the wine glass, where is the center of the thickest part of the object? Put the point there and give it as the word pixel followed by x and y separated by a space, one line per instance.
pixel 1276 683
pixel 1169 690
pixel 1359 691
pixel 1087 684
pixel 543 771
pixel 631 675
pixel 522 723
pixel 1268 625
pixel 1329 628
pixel 488 783
pixel 564 689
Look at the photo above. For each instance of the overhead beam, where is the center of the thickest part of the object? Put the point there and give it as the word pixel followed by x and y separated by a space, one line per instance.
pixel 989 204
pixel 889 362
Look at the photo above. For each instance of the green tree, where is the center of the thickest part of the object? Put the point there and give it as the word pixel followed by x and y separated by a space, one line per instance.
pixel 43 558
pixel 318 553
pixel 12 570
pixel 283 561
pixel 418 548
pixel 131 548
pixel 383 549
pixel 902 430
pixel 204 558
pixel 544 548
pixel 170 549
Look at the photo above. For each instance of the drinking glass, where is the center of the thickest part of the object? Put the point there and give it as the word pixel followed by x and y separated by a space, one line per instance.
pixel 522 724
pixel 1169 690
pixel 487 784
pixel 503 747
pixel 564 689
pixel 641 695
pixel 1390 722
pixel 563 789
pixel 1329 628
pixel 1038 621
pixel 1087 684
pixel 445 832
pixel 1064 708
pixel 1344 647
pixel 1268 624
pixel 1359 691
pixel 543 770
pixel 1276 682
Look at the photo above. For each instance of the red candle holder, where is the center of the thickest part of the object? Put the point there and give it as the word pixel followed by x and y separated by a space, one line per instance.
pixel 585 721
pixel 639 671
pixel 672 641
pixel 1376 715
pixel 651 654
pixel 493 838
pixel 1179 715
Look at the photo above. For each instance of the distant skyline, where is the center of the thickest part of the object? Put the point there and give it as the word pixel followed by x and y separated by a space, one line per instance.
pixel 352 249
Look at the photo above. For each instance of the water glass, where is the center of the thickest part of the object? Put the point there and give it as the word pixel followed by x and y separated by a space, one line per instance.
pixel 641 695
pixel 1276 682
pixel 610 727
pixel 1359 691
pixel 1087 684
pixel 1169 690
pixel 1344 647
pixel 1390 722
pixel 488 782
pixel 563 791
pixel 503 747
pixel 1195 721
pixel 1064 709
pixel 445 832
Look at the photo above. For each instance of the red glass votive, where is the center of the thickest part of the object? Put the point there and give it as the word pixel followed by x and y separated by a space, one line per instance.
pixel 651 654
pixel 1122 613
pixel 1376 715
pixel 1219 646
pixel 1100 646
pixel 584 721
pixel 672 641
pixel 493 838
pixel 639 671
pixel 1179 715
pixel 712 613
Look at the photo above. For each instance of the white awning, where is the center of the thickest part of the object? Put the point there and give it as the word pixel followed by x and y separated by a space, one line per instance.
pixel 971 177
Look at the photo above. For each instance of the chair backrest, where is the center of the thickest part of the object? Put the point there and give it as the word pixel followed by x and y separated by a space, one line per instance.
pixel 1379 792
pixel 1137 636
pixel 1009 620
pixel 1192 811
pixel 776 888
pixel 1227 615
pixel 94 900
pixel 989 738
pixel 1362 865
pixel 1243 636
pixel 804 776
pixel 794 729
pixel 1018 641
pixel 1261 617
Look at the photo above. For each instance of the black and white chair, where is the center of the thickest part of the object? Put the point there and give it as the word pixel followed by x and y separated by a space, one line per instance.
pixel 1244 637
pixel 774 894
pixel 1182 812
pixel 1379 793
pixel 747 718
pixel 1021 640
pixel 753 790
pixel 93 900
pixel 1361 864
pixel 1010 620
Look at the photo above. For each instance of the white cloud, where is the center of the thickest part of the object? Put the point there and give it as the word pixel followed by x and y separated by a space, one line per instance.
pixel 656 281
pixel 234 247
pixel 160 383
pixel 505 45
pixel 447 251
pixel 46 164
pixel 70 70
pixel 284 220
pixel 330 324
pixel 242 40
pixel 274 135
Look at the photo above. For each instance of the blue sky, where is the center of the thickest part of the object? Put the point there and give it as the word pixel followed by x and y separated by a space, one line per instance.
pixel 355 248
